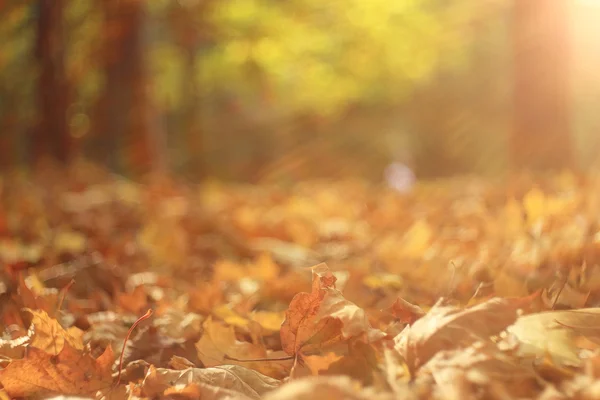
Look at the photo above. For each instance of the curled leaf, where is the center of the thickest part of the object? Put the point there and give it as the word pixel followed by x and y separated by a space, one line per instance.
pixel 446 327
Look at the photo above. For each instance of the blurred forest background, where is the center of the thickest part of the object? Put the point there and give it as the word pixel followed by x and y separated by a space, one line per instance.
pixel 281 90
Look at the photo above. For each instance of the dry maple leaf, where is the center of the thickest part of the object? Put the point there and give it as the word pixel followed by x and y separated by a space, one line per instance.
pixel 446 327
pixel 226 381
pixel 323 317
pixel 361 363
pixel 319 363
pixel 327 387
pixel 48 335
pixel 554 333
pixel 481 365
pixel 406 312
pixel 218 346
pixel 69 372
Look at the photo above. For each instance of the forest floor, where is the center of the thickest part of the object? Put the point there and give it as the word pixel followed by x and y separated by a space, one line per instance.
pixel 347 290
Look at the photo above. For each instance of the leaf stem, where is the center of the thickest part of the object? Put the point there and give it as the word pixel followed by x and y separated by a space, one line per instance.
pixel 63 294
pixel 136 323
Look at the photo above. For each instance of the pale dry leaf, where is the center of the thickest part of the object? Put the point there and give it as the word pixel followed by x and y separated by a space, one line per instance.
pixel 446 327
pixel 234 378
pixel 481 363
pixel 328 387
pixel 354 319
pixel 554 333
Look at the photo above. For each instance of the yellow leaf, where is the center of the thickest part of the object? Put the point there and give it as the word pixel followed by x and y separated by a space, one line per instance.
pixel 228 271
pixel 50 336
pixel 417 240
pixel 382 281
pixel 554 333
pixel 534 203
pixel 230 317
pixel 269 320
pixel 70 242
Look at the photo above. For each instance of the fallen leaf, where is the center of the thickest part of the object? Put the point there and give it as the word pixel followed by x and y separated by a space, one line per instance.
pixel 218 342
pixel 326 387
pixel 484 361
pixel 269 321
pixel 49 336
pixel 323 317
pixel 554 333
pixel 135 302
pixel 320 362
pixel 69 242
pixel 406 312
pixel 361 363
pixel 447 327
pixel 417 240
pixel 232 378
pixel 70 372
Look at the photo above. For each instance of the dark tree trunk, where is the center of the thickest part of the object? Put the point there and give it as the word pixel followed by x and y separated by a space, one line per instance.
pixel 192 32
pixel 51 137
pixel 541 135
pixel 122 133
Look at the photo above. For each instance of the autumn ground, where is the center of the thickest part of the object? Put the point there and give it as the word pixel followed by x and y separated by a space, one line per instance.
pixel 461 289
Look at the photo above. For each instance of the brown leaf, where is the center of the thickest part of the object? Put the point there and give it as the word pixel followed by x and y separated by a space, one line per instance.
pixel 69 372
pixel 406 312
pixel 323 317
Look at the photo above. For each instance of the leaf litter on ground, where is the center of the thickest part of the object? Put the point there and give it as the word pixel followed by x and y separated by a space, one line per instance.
pixel 459 289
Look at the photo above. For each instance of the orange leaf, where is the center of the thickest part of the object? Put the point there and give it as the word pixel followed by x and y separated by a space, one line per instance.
pixel 322 317
pixel 406 312
pixel 70 372
pixel 320 363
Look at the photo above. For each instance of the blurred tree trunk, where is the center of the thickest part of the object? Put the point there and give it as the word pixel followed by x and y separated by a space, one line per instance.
pixel 541 135
pixel 193 33
pixel 123 134
pixel 51 137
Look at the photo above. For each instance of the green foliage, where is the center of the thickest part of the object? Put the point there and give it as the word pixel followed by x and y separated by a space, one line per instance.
pixel 315 56
pixel 17 38
pixel 83 56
